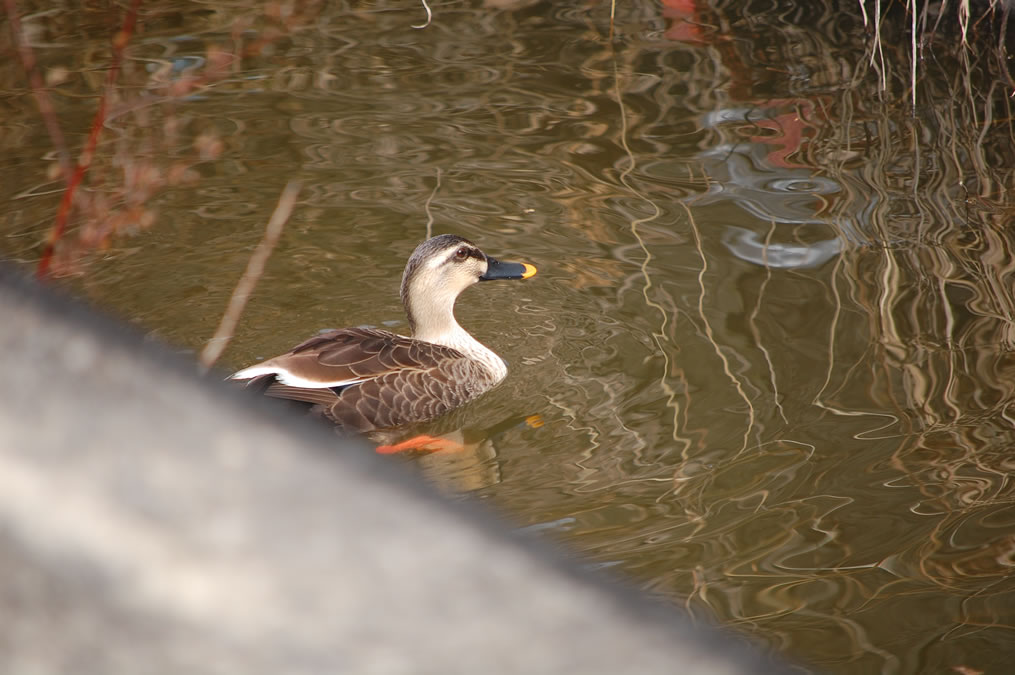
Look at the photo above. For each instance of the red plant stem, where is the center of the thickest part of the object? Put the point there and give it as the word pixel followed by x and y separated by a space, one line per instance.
pixel 120 41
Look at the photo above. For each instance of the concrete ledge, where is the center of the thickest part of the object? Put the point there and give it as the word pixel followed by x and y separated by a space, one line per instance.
pixel 152 522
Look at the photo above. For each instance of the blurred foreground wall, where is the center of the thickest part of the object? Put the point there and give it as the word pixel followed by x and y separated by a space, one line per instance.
pixel 152 522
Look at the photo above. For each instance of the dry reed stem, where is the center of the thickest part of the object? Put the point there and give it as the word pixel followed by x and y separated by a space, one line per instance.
pixel 255 268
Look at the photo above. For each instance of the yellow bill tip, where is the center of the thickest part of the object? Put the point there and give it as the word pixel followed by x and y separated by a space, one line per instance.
pixel 530 270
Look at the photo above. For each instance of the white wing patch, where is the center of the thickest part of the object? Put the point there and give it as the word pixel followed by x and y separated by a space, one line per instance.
pixel 287 378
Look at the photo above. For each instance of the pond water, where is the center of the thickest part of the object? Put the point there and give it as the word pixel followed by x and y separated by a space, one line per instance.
pixel 765 368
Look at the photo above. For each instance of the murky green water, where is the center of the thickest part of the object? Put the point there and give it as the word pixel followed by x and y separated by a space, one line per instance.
pixel 765 367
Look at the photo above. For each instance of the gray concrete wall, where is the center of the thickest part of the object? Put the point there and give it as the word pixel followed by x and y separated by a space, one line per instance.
pixel 155 522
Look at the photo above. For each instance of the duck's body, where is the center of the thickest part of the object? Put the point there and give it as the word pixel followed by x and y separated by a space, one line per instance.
pixel 365 379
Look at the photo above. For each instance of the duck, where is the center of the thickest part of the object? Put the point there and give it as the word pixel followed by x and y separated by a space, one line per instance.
pixel 366 379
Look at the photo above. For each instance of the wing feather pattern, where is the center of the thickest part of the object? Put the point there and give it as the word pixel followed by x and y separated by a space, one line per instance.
pixel 366 379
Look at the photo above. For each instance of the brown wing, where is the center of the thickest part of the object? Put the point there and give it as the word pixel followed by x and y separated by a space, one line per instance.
pixel 341 357
pixel 367 379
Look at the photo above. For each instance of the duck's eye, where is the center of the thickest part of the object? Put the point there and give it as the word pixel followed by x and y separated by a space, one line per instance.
pixel 461 254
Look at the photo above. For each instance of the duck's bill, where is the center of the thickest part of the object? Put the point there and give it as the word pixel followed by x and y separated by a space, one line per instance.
pixel 496 269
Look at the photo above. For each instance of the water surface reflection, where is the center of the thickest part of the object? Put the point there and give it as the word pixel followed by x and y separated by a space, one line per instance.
pixel 765 369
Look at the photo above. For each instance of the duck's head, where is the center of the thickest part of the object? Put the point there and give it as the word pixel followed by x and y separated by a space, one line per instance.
pixel 438 271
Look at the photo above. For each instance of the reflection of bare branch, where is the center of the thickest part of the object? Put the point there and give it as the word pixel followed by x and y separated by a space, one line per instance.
pixel 38 89
pixel 752 321
pixel 710 334
pixel 429 16
pixel 426 206
pixel 255 268
pixel 659 336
